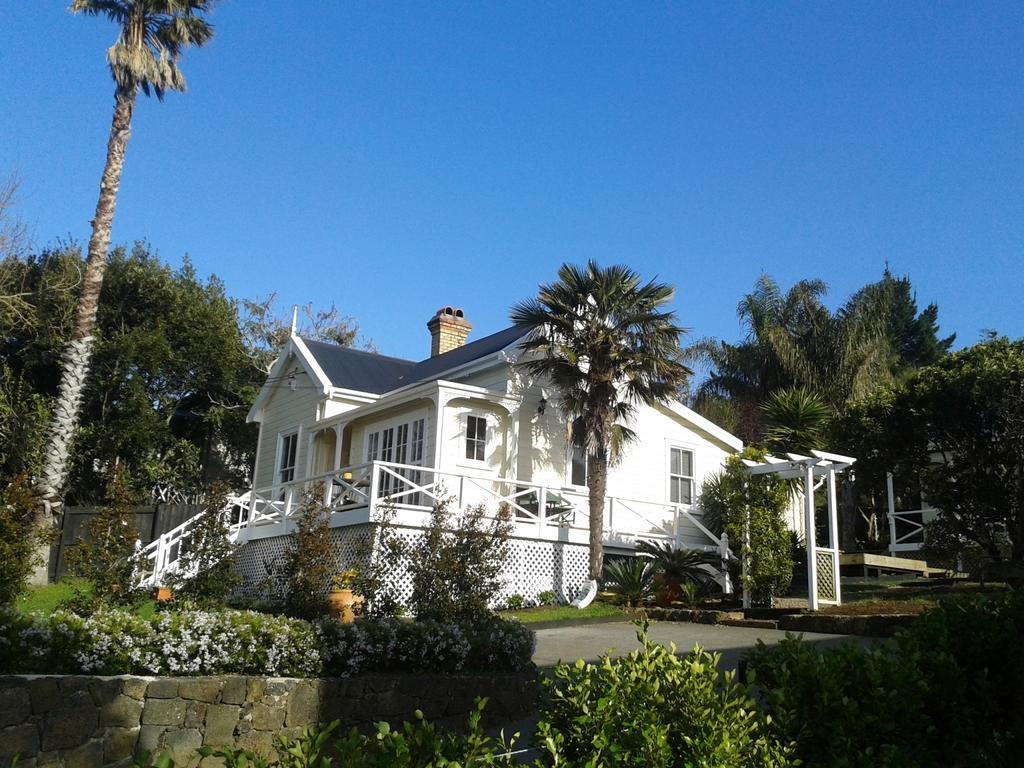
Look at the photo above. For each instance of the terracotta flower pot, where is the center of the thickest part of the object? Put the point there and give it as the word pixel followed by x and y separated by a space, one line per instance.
pixel 342 603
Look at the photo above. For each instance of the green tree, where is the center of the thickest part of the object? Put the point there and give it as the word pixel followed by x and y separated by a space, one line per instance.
pixel 18 547
pixel 152 36
pixel 604 340
pixel 958 425
pixel 738 503
pixel 105 555
pixel 796 420
pixel 171 378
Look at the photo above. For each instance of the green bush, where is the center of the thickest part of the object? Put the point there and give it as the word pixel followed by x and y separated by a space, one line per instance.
pixel 734 496
pixel 946 692
pixel 630 579
pixel 843 707
pixel 208 560
pixel 193 642
pixel 393 645
pixel 18 541
pixel 309 561
pixel 515 603
pixel 547 597
pixel 969 652
pixel 456 564
pixel 653 708
pixel 106 556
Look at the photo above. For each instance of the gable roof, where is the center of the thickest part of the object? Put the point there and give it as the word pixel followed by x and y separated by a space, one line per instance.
pixel 348 368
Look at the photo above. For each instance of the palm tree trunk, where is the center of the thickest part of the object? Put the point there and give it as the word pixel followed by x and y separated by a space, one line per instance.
pixel 597 482
pixel 76 357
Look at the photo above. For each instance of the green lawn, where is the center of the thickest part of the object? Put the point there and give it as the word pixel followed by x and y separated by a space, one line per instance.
pixel 45 599
pixel 563 613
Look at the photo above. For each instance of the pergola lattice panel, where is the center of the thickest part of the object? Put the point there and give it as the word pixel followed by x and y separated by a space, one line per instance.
pixel 826 576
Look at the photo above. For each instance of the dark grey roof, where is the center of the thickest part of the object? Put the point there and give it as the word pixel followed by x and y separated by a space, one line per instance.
pixel 436 367
pixel 349 368
pixel 369 372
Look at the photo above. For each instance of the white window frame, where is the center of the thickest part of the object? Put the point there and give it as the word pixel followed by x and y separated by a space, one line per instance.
pixel 464 439
pixel 669 476
pixel 282 440
pixel 401 440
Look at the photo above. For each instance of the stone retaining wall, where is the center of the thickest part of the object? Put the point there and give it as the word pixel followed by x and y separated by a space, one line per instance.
pixel 87 722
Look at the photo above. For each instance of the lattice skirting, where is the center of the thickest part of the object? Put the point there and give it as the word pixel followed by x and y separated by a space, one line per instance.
pixel 531 567
pixel 826 577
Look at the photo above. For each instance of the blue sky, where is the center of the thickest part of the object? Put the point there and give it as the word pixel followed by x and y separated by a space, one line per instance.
pixel 395 157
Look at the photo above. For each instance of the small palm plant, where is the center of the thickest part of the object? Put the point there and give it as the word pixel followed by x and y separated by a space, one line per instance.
pixel 675 567
pixel 631 580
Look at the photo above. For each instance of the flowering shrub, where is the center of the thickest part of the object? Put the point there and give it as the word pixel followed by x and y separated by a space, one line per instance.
pixel 112 642
pixel 424 646
pixel 115 642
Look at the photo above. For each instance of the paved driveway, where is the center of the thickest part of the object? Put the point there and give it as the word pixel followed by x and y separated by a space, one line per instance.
pixel 591 640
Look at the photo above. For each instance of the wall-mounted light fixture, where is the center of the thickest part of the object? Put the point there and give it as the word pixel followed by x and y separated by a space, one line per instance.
pixel 542 405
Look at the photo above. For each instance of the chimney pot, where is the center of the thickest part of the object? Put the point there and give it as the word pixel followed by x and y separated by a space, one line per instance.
pixel 449 330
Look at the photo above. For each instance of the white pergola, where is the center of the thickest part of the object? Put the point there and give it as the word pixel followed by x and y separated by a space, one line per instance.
pixel 822 562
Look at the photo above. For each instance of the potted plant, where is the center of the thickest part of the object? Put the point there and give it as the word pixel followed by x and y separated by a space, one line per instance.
pixel 342 602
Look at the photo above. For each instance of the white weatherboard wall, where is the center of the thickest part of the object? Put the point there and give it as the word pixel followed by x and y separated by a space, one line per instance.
pixel 644 469
pixel 293 402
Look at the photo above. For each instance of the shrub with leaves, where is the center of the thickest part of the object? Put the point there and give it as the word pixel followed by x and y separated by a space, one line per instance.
pixel 630 580
pixel 18 539
pixel 106 555
pixel 393 645
pixel 547 597
pixel 116 642
pixel 308 563
pixel 456 564
pixel 206 568
pixel 655 709
pixel 378 557
pixel 946 692
pixel 734 499
pixel 844 707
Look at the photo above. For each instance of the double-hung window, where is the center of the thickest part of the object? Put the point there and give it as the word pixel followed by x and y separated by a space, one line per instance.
pixel 286 463
pixel 579 458
pixel 476 438
pixel 680 476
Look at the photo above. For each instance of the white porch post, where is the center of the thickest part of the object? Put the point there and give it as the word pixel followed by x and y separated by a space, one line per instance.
pixel 812 547
pixel 339 431
pixel 833 532
pixel 891 495
pixel 746 544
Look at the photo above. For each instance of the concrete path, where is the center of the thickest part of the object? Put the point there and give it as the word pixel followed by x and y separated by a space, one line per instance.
pixel 592 640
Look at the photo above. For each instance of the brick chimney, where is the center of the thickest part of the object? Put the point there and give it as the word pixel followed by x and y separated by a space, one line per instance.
pixel 448 330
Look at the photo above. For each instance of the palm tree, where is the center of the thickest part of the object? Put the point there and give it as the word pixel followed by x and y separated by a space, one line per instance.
pixel 153 35
pixel 793 340
pixel 603 339
pixel 796 420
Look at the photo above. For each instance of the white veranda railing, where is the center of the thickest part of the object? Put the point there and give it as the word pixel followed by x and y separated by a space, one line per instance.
pixel 538 511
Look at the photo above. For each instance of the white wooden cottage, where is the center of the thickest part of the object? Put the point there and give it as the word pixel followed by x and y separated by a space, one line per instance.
pixel 464 422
